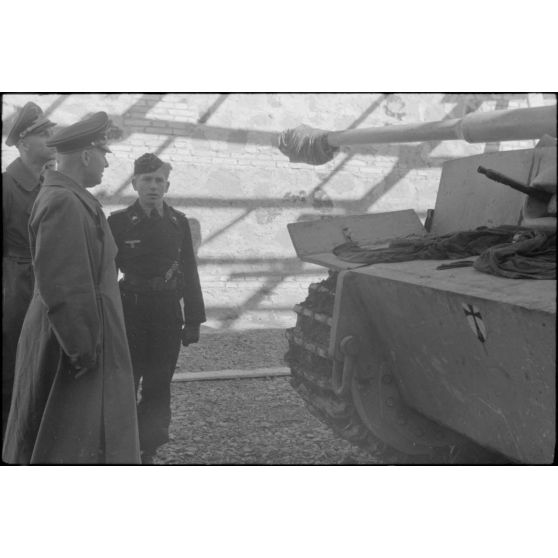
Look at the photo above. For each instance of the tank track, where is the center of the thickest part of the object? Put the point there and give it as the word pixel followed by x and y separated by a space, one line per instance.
pixel 311 371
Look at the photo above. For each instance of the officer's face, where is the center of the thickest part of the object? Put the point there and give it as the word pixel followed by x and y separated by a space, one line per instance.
pixel 96 163
pixel 35 147
pixel 151 187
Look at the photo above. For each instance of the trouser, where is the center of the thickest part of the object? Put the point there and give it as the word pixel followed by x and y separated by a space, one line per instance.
pixel 17 290
pixel 153 325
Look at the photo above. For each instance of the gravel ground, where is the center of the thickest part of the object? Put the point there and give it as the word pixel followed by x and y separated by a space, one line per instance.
pixel 246 421
pixel 252 421
pixel 244 350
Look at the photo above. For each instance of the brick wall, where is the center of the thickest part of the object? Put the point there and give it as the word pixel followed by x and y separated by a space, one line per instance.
pixel 240 192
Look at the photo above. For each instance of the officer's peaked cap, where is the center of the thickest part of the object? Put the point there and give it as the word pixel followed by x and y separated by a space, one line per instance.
pixel 30 120
pixel 90 132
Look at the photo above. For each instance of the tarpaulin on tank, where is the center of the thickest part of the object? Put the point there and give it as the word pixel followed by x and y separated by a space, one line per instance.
pixel 531 256
pixel 507 251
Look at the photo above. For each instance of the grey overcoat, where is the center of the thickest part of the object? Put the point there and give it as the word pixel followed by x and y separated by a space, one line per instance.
pixel 75 314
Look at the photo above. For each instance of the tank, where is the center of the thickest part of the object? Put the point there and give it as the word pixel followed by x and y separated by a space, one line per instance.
pixel 421 365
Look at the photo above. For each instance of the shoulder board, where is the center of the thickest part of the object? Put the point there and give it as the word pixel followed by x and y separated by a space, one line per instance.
pixel 119 211
pixel 179 213
pixel 128 213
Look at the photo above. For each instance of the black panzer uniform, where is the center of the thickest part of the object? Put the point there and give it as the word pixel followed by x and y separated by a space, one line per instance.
pixel 156 256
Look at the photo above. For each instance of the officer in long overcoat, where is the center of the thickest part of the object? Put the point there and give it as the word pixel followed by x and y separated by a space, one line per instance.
pixel 156 256
pixel 74 399
pixel 20 186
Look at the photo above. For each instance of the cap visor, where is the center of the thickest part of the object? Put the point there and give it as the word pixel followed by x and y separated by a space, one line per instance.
pixel 39 127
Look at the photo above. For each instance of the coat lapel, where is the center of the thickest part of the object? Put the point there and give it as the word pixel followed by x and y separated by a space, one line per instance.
pixel 55 178
pixel 22 175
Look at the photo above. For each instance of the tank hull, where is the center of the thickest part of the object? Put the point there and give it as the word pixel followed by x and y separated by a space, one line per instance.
pixel 473 352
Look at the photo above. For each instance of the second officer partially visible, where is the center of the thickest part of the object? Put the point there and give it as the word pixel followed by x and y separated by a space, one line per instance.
pixel 156 256
pixel 20 186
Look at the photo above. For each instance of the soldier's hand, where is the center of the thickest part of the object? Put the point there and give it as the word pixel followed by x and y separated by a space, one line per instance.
pixel 79 371
pixel 78 366
pixel 190 334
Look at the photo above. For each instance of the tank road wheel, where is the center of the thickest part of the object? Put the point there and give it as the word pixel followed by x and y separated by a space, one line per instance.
pixel 339 396
pixel 312 378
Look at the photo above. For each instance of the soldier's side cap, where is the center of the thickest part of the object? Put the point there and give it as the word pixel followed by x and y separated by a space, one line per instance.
pixel 148 162
pixel 29 120
pixel 90 132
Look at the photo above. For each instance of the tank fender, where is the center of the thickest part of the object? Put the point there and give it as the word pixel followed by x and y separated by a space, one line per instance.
pixel 314 241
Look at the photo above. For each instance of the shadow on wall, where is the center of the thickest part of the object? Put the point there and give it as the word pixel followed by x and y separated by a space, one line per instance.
pixel 316 198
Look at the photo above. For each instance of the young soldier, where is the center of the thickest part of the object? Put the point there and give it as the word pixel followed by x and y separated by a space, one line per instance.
pixel 20 186
pixel 156 256
pixel 74 399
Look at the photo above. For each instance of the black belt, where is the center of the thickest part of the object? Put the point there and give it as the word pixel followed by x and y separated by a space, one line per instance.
pixel 135 283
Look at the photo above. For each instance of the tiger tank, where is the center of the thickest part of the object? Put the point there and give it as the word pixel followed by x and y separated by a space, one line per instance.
pixel 415 360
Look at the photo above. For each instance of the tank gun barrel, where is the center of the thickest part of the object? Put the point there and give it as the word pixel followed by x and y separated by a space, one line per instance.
pixel 478 127
pixel 314 146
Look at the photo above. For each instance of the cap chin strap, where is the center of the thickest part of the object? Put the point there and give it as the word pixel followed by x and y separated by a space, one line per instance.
pixel 35 126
